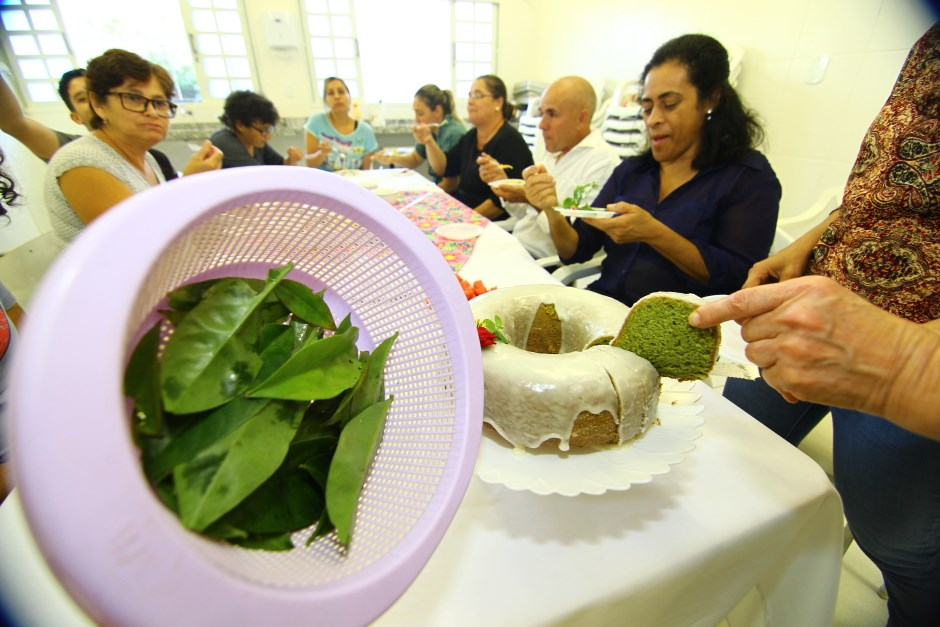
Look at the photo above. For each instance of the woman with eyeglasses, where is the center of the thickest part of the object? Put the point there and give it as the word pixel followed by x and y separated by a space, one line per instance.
pixel 335 140
pixel 249 120
pixel 492 149
pixel 131 111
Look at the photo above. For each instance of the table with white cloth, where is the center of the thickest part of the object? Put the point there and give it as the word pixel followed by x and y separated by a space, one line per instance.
pixel 744 527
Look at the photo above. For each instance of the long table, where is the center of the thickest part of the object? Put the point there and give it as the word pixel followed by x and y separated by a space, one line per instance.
pixel 744 527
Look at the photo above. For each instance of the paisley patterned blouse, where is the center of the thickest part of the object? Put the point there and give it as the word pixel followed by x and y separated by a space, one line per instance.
pixel 885 245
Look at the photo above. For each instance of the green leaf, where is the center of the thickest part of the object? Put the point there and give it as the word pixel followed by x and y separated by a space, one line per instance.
pixel 354 452
pixel 202 434
pixel 173 317
pixel 142 383
pixel 277 345
pixel 305 304
pixel 280 505
pixel 306 446
pixel 369 388
pixel 318 467
pixel 320 369
pixel 277 542
pixel 212 355
pixel 324 526
pixel 223 474
pixel 345 324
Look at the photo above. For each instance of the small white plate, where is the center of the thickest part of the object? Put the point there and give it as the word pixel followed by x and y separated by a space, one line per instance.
pixel 586 213
pixel 508 183
pixel 459 231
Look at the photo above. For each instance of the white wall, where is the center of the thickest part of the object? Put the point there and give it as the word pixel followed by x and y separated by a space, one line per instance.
pixel 814 130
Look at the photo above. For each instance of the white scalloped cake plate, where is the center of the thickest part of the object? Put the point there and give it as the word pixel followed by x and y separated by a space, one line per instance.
pixel 595 471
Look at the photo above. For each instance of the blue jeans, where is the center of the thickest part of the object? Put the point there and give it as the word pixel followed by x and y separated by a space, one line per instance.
pixel 889 481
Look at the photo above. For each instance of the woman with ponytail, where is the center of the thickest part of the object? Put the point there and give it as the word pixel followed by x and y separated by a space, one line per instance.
pixel 436 122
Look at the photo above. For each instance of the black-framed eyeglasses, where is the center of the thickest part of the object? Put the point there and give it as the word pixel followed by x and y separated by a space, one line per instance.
pixel 138 104
pixel 266 130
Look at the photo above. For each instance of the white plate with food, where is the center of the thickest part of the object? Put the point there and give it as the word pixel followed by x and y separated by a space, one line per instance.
pixel 508 183
pixel 586 213
pixel 599 469
pixel 459 231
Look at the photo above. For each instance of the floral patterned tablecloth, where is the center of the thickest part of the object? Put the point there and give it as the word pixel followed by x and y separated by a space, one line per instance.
pixel 429 210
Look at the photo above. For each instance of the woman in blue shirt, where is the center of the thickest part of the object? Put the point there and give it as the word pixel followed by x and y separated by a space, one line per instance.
pixel 699 207
pixel 335 140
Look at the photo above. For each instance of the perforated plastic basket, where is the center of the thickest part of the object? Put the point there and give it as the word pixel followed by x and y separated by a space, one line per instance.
pixel 124 557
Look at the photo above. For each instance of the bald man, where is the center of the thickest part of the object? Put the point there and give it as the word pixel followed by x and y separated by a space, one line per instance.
pixel 573 155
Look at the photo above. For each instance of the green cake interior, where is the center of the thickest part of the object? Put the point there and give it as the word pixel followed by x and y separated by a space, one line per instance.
pixel 657 329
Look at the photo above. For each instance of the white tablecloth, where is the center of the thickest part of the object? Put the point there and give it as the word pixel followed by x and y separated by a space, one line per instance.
pixel 746 525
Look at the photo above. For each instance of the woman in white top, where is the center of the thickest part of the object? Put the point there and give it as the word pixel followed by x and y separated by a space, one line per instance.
pixel 131 111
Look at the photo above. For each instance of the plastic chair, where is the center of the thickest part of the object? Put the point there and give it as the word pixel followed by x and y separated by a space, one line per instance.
pixel 568 274
pixel 788 229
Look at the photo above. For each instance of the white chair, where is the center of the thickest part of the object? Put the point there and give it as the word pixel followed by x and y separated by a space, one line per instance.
pixel 529 123
pixel 568 274
pixel 790 228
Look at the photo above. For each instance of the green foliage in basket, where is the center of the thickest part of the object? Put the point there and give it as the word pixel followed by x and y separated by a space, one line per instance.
pixel 259 417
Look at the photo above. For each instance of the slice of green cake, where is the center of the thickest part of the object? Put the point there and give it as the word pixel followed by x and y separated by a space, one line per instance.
pixel 657 328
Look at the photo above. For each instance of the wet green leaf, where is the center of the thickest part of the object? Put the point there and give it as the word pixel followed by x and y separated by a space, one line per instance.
pixel 202 434
pixel 275 542
pixel 320 369
pixel 305 304
pixel 351 462
pixel 282 503
pixel 212 355
pixel 142 383
pixel 223 474
pixel 369 388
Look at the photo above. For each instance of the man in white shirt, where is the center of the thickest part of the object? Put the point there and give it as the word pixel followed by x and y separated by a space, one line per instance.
pixel 573 154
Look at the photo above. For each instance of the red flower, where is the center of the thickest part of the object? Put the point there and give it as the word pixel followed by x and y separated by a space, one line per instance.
pixel 486 338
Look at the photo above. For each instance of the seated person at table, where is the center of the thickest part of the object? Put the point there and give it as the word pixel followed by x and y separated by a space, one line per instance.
pixel 576 155
pixel 492 145
pixel 43 141
pixel 10 315
pixel 335 140
pixel 131 109
pixel 699 207
pixel 249 120
pixel 435 121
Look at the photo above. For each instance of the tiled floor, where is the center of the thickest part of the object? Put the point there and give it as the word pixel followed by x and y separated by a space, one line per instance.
pixel 858 603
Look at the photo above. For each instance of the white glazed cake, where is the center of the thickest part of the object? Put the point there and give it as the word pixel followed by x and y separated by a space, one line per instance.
pixel 585 394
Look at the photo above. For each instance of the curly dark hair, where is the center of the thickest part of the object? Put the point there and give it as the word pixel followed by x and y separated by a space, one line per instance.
pixel 246 107
pixel 8 193
pixel 113 67
pixel 733 128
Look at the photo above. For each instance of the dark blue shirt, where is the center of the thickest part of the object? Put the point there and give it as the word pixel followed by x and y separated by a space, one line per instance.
pixel 729 211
